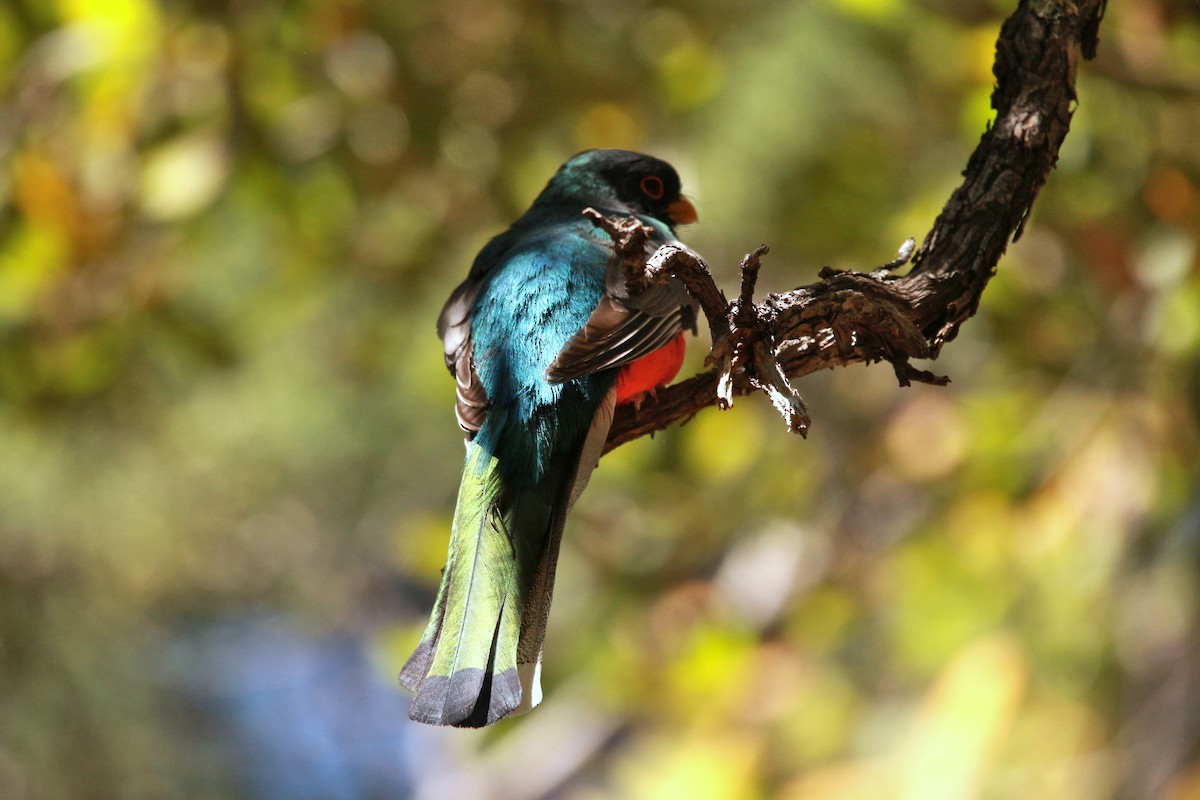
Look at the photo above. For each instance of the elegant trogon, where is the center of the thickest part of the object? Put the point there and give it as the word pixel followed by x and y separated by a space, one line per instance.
pixel 543 340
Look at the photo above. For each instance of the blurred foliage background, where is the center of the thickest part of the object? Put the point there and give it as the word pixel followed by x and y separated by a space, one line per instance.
pixel 228 455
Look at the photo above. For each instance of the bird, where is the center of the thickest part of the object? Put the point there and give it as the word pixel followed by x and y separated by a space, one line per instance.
pixel 544 341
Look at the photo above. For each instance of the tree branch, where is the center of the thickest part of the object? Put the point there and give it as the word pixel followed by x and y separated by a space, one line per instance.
pixel 850 317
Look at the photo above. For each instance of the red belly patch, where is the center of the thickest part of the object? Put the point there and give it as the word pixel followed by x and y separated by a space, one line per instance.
pixel 650 371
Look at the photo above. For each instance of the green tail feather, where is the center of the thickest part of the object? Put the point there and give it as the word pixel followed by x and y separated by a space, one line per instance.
pixel 491 606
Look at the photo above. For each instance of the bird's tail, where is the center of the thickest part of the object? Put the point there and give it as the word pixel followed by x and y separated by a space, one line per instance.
pixel 480 656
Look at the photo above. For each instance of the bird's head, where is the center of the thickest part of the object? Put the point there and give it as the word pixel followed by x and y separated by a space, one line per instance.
pixel 621 180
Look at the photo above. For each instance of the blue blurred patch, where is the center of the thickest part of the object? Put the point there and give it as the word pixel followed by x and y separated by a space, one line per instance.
pixel 295 715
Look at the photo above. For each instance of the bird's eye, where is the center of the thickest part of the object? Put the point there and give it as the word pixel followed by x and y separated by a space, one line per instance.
pixel 652 187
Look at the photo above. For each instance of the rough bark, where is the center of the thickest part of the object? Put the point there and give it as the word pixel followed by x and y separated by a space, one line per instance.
pixel 850 317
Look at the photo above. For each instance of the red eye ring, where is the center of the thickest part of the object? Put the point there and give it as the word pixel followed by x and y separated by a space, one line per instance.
pixel 652 187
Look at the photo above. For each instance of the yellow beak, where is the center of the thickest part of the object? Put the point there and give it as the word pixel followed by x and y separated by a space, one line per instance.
pixel 682 212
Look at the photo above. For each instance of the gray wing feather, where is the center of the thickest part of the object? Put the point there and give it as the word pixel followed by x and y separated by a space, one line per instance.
pixel 454 329
pixel 622 329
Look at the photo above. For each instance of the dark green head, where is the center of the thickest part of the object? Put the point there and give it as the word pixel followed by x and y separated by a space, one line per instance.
pixel 620 180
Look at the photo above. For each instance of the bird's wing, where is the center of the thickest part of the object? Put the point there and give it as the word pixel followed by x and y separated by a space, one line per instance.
pixel 622 329
pixel 454 329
